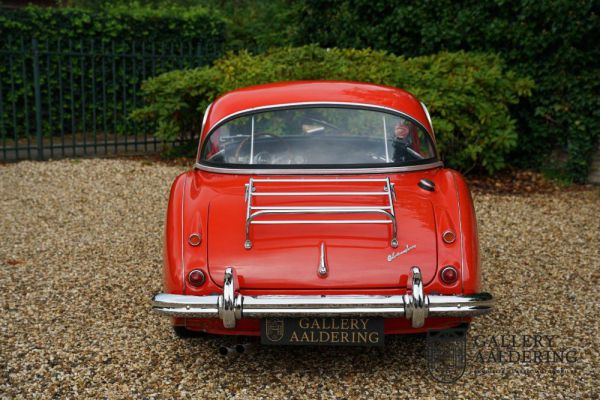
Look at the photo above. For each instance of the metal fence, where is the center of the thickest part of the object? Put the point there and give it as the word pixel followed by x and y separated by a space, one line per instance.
pixel 73 98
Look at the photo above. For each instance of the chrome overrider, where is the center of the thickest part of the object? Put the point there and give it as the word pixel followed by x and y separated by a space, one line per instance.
pixel 415 305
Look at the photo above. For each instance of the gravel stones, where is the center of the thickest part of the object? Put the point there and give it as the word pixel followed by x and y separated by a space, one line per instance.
pixel 81 254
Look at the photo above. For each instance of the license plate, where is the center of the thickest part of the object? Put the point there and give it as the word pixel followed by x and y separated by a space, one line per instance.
pixel 343 331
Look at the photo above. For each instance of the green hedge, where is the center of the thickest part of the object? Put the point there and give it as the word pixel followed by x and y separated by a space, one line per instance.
pixel 468 95
pixel 128 23
pixel 554 42
pixel 91 64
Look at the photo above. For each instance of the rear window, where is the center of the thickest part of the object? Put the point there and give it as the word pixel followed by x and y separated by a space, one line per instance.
pixel 318 137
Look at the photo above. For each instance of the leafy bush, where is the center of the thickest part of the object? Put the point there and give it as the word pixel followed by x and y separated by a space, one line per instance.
pixel 554 42
pixel 468 95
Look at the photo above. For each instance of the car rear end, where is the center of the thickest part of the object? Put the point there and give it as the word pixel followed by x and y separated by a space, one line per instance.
pixel 319 213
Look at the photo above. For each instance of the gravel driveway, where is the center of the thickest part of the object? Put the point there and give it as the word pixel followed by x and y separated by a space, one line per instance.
pixel 80 257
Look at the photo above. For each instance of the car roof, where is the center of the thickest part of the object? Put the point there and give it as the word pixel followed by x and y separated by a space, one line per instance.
pixel 276 94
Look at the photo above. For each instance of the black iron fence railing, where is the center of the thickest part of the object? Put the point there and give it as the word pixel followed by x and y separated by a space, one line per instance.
pixel 73 98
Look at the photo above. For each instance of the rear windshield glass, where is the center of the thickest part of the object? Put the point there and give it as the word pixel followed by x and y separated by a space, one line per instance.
pixel 318 137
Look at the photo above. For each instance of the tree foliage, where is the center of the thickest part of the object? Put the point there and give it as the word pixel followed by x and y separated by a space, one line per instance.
pixel 554 42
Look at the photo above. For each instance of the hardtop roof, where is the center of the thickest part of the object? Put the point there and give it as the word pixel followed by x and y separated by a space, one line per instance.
pixel 274 94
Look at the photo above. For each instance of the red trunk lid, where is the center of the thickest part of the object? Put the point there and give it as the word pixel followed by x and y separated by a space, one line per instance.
pixel 287 256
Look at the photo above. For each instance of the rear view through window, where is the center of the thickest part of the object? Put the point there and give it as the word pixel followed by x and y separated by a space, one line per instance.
pixel 318 136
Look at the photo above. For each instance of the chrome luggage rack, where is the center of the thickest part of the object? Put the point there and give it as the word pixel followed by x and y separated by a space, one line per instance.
pixel 253 212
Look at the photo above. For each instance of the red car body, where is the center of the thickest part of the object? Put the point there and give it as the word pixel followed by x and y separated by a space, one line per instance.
pixel 207 228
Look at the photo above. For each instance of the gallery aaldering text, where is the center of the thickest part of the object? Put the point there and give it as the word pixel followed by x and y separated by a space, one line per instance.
pixel 528 349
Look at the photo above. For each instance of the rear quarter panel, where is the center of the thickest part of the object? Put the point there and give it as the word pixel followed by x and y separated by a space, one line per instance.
pixel 469 237
pixel 172 251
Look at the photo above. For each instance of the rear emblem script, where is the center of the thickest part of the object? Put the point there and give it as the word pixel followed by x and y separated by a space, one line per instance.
pixel 393 255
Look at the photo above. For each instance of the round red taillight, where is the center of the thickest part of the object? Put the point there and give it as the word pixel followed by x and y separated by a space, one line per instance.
pixel 195 239
pixel 449 236
pixel 196 277
pixel 449 274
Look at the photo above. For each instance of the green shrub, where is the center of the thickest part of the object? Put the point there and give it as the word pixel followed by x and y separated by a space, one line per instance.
pixel 468 95
pixel 553 42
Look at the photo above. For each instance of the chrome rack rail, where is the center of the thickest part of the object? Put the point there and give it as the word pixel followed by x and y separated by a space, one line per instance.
pixel 253 212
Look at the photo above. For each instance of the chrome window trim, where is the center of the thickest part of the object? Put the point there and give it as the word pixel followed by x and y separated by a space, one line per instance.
pixel 308 104
pixel 428 119
pixel 205 118
pixel 315 103
pixel 316 171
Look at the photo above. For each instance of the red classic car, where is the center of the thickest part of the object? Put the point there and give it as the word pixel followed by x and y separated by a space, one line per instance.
pixel 320 213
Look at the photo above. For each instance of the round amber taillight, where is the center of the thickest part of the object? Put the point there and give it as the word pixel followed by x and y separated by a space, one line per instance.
pixel 196 277
pixel 449 274
pixel 449 236
pixel 195 239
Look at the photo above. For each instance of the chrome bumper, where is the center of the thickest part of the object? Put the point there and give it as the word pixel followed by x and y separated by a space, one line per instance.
pixel 415 306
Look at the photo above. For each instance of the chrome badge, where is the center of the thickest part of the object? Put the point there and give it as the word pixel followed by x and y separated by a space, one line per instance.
pixel 393 254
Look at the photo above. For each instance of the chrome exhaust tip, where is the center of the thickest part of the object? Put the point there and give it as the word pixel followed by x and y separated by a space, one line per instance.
pixel 226 351
pixel 242 348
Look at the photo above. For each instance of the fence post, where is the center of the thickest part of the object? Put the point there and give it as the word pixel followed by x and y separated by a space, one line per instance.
pixel 38 99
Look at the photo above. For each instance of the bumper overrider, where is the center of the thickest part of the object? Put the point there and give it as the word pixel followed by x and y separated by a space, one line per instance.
pixel 415 305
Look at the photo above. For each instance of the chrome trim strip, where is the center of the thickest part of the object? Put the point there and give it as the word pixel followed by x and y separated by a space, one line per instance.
pixel 204 118
pixel 428 119
pixel 183 285
pixel 252 142
pixel 320 193
pixel 387 154
pixel 320 221
pixel 462 239
pixel 316 171
pixel 250 220
pixel 323 208
pixel 320 180
pixel 414 305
